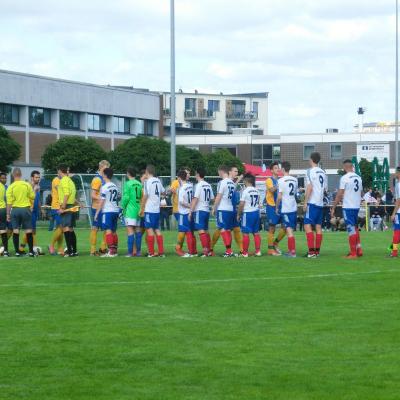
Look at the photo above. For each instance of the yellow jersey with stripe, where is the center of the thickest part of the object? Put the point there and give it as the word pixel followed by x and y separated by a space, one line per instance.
pixel 20 194
pixel 271 197
pixel 67 188
pixel 3 203
pixel 55 201
pixel 174 198
pixel 97 183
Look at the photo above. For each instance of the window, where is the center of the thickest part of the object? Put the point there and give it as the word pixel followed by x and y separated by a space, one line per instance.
pixel 213 105
pixel 9 114
pixel 307 150
pixel 69 120
pixel 144 127
pixel 255 107
pixel 40 117
pixel 231 149
pixel 190 104
pixel 336 151
pixel 96 122
pixel 122 125
pixel 265 153
pixel 238 107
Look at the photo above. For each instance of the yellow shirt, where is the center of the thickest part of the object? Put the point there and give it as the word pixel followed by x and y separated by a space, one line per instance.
pixel 66 188
pixel 20 194
pixel 96 187
pixel 271 196
pixel 55 202
pixel 174 198
pixel 2 196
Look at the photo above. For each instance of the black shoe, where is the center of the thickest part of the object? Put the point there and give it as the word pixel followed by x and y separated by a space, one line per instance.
pixel 6 254
pixel 32 255
pixel 17 254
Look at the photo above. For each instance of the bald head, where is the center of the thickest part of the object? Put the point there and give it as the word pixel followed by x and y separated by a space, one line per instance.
pixel 17 174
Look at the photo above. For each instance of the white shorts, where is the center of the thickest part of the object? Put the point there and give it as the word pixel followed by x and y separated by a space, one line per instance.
pixel 132 221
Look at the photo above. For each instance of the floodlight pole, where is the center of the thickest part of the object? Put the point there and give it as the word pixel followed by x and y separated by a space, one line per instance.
pixel 397 87
pixel 172 94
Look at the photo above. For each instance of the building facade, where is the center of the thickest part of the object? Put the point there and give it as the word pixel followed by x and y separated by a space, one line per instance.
pixel 219 112
pixel 37 111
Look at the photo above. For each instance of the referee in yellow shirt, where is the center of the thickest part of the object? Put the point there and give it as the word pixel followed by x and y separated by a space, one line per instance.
pixel 67 200
pixel 20 196
pixel 3 214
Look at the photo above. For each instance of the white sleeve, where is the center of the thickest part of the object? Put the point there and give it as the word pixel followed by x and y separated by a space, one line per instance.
pixel 280 186
pixel 146 190
pixel 325 182
pixel 103 192
pixel 242 195
pixel 397 191
pixel 308 177
pixel 342 184
pixel 221 188
pixel 197 191
pixel 180 195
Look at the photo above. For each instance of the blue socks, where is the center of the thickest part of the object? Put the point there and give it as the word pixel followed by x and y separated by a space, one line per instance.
pixel 138 242
pixel 131 240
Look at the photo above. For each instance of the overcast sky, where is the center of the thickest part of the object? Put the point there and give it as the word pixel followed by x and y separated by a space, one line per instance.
pixel 318 59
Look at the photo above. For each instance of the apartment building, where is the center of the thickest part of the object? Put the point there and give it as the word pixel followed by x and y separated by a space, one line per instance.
pixel 219 112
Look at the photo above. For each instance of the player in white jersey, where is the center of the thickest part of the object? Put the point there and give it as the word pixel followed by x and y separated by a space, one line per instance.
pixel 248 214
pixel 223 208
pixel 153 189
pixel 200 208
pixel 349 192
pixel 185 222
pixel 109 209
pixel 316 185
pixel 286 205
pixel 396 216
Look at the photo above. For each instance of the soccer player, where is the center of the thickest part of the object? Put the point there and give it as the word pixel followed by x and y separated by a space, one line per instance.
pixel 200 207
pixel 131 199
pixel 109 211
pixel 185 221
pixel 153 189
pixel 316 185
pixel 286 205
pixel 20 194
pixel 97 183
pixel 248 214
pixel 57 237
pixel 223 208
pixel 396 217
pixel 68 203
pixel 3 214
pixel 274 219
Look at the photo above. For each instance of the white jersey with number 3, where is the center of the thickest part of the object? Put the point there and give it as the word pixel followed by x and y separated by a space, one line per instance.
pixel 204 194
pixel 317 178
pixel 111 196
pixel 251 197
pixel 351 183
pixel 153 189
pixel 226 187
pixel 288 187
pixel 185 195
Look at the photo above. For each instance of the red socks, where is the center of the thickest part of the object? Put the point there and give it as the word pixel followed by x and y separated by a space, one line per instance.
pixel 160 244
pixel 150 244
pixel 310 242
pixel 292 244
pixel 257 242
pixel 205 242
pixel 112 242
pixel 318 242
pixel 353 244
pixel 246 244
pixel 227 238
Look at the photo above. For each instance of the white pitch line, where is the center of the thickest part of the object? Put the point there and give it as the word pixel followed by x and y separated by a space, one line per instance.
pixel 194 282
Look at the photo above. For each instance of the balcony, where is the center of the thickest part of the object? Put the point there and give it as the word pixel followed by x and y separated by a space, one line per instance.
pixel 167 113
pixel 203 115
pixel 241 116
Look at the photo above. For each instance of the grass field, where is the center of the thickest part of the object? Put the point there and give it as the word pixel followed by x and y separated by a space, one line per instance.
pixel 258 328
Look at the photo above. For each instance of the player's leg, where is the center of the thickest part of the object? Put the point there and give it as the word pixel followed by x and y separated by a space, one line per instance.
pixel 256 226
pixel 396 237
pixel 138 237
pixel 308 222
pixel 214 240
pixel 226 222
pixel 318 229
pixel 201 219
pixel 3 231
pixel 15 224
pixel 130 232
pixel 181 236
pixel 114 231
pixel 290 221
pixel 279 237
pixel 93 231
pixel 272 221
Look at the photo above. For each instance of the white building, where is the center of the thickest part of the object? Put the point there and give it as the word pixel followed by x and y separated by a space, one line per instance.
pixel 219 112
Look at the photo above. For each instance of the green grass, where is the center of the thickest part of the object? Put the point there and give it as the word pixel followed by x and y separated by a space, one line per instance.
pixel 215 329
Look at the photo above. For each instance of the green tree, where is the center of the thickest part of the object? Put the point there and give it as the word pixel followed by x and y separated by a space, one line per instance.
pixel 366 170
pixel 191 158
pixel 220 157
pixel 10 150
pixel 80 154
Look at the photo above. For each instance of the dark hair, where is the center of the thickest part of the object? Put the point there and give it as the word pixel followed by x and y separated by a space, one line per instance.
pixel 397 169
pixel 315 157
pixel 3 174
pixel 286 166
pixel 201 172
pixel 233 166
pixel 224 168
pixel 131 171
pixel 63 168
pixel 182 174
pixel 186 168
pixel 34 172
pixel 272 165
pixel 108 172
pixel 151 169
pixel 250 178
pixel 142 172
pixel 347 161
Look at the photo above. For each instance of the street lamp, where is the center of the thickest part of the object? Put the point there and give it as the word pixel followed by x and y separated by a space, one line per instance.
pixel 172 94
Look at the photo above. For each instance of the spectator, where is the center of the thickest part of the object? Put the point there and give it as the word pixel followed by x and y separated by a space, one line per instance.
pixel 326 218
pixel 337 222
pixel 165 212
pixel 362 216
pixel 369 197
pixel 377 212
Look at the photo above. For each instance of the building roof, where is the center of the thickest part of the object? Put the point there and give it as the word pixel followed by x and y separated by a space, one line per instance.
pixel 259 95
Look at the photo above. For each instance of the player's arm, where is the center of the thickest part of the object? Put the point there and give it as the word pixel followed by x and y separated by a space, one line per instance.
pixel 217 200
pixel 338 199
pixel 144 200
pixel 240 210
pixel 270 186
pixel 96 186
pixel 396 208
pixel 308 190
pixel 126 196
pixel 10 200
pixel 278 202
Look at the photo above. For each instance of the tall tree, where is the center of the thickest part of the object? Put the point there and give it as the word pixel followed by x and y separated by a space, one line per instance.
pixel 221 157
pixel 10 150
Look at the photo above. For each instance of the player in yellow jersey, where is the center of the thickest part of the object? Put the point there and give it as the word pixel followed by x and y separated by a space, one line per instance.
pixel 3 213
pixel 273 218
pixel 55 214
pixel 97 183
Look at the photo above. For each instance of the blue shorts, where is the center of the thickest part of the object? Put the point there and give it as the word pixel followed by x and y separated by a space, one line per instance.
pixel 56 217
pixel 313 215
pixel 110 221
pixel 396 223
pixel 201 219
pixel 97 224
pixel 176 215
pixel 236 223
pixel 272 216
pixel 152 220
pixel 289 220
pixel 350 216
pixel 184 224
pixel 250 222
pixel 225 220
pixel 35 217
pixel 142 223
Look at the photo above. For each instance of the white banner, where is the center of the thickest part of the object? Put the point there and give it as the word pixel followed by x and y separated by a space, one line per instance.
pixel 371 150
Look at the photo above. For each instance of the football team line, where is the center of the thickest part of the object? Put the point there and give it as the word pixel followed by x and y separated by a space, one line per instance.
pixel 236 206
